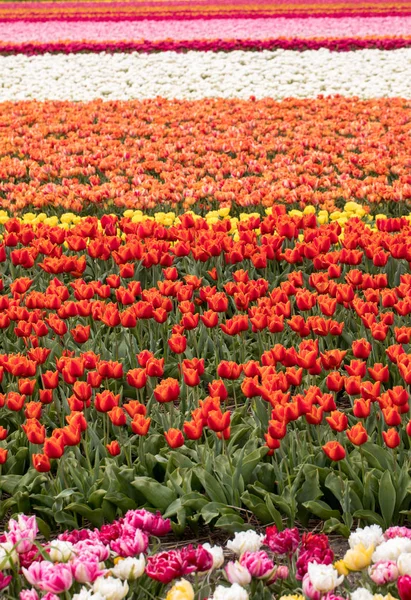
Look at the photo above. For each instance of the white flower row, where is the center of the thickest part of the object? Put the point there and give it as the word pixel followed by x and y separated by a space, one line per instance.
pixel 194 75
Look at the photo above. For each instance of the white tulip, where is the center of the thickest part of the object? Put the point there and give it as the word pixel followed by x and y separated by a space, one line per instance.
pixel 324 578
pixel 111 588
pixel 235 592
pixel 129 568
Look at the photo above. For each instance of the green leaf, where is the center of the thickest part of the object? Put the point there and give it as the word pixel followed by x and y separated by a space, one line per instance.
pixel 123 502
pixel 173 508
pixel 95 516
pixel 377 457
pixel 212 510
pixel 194 501
pixel 232 523
pixel 370 517
pixel 334 526
pixel 275 515
pixel 43 528
pixel 158 495
pixel 310 490
pixel 387 497
pixel 250 463
pixel 257 507
pixel 321 509
pixel 212 487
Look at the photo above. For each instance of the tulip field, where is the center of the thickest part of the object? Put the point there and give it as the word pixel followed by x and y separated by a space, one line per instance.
pixel 205 300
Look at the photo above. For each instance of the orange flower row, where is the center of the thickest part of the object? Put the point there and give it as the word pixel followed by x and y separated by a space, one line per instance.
pixel 132 154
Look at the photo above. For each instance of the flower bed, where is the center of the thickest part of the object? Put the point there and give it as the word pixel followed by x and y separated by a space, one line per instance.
pixel 119 561
pixel 205 237
pixel 271 352
pixel 107 156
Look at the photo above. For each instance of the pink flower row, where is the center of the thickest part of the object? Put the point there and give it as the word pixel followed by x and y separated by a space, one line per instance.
pixel 44 17
pixel 336 45
pixel 201 29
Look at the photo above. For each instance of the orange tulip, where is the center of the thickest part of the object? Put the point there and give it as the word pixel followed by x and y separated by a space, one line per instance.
pixel 54 447
pixel 117 416
pixel 167 390
pixel 334 450
pixel 41 463
pixel 113 448
pixel 357 434
pixel 391 438
pixel 193 429
pixel 174 438
pixel 140 424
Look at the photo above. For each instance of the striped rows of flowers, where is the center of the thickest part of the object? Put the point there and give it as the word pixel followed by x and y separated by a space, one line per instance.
pixel 116 561
pixel 205 299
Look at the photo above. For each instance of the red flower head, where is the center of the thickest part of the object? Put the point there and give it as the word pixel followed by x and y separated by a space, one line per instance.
pixel 167 390
pixel 391 438
pixel 113 448
pixel 357 434
pixel 140 425
pixel 174 438
pixel 334 451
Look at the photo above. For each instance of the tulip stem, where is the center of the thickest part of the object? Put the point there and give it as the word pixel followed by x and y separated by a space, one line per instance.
pixel 362 465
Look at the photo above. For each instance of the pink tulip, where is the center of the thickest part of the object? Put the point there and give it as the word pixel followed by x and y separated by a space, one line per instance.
pixel 383 572
pixel 85 568
pixel 258 564
pixel 309 590
pixel 22 532
pixel 404 587
pixel 282 572
pixel 94 547
pixel 130 545
pixel 195 559
pixel 49 577
pixel 165 566
pixel 4 580
pixel 282 542
pixel 146 521
pixel 29 595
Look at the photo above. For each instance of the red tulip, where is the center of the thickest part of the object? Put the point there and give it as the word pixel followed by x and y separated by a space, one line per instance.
pixel 167 390
pixel 357 434
pixel 140 425
pixel 334 450
pixel 391 438
pixel 174 438
pixel 41 463
pixel 113 448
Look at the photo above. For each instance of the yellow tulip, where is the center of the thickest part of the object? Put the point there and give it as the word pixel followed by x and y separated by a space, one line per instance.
pixel 292 597
pixel 358 558
pixel 224 212
pixel 352 206
pixel 340 567
pixel 51 221
pixel 182 590
pixel 309 210
pixel 381 597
